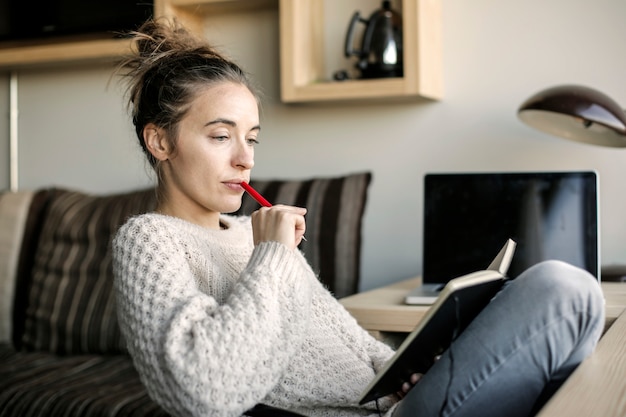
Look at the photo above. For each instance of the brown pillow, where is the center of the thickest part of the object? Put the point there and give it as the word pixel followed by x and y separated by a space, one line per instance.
pixel 71 307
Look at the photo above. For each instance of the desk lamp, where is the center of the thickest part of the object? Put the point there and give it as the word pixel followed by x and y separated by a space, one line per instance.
pixel 577 113
pixel 580 114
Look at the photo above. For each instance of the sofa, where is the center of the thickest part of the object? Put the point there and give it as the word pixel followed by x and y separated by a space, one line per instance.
pixel 61 350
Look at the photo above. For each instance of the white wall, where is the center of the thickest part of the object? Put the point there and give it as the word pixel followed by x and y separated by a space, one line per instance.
pixel 74 132
pixel 4 133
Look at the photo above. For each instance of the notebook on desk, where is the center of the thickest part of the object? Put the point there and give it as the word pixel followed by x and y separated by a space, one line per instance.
pixel 467 216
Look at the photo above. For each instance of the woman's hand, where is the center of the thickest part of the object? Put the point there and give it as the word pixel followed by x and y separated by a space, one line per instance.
pixel 279 223
pixel 406 387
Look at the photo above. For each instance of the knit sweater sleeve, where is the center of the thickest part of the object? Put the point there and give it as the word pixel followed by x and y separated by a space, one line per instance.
pixel 195 356
pixel 378 352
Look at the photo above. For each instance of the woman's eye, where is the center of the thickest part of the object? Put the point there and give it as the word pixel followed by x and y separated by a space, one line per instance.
pixel 253 141
pixel 220 138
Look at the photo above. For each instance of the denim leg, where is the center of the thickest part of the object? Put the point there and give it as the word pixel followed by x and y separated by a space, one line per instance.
pixel 522 346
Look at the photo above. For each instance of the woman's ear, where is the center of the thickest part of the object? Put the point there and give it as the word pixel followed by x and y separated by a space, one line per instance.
pixel 156 141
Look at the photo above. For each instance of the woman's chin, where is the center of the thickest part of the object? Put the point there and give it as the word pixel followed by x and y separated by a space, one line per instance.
pixel 231 207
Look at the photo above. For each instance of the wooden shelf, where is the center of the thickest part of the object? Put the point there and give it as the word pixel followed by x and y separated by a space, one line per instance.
pixel 301 50
pixel 221 6
pixel 191 13
pixel 64 50
pixel 26 55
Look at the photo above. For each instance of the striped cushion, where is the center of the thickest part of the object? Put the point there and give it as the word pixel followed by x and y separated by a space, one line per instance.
pixel 335 207
pixel 70 300
pixel 32 232
pixel 43 384
pixel 70 306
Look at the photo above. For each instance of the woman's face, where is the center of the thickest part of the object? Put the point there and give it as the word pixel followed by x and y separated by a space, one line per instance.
pixel 214 153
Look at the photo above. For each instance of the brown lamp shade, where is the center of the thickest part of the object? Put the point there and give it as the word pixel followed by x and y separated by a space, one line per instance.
pixel 577 113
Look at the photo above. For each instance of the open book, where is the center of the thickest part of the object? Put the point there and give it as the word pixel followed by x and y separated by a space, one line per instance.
pixel 457 305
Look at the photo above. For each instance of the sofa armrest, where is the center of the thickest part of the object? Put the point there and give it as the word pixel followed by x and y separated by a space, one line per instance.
pixel 596 388
pixel 13 215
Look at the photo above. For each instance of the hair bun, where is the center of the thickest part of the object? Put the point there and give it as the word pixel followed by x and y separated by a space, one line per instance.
pixel 156 37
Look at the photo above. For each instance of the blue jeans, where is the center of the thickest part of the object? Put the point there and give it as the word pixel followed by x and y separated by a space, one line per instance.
pixel 519 349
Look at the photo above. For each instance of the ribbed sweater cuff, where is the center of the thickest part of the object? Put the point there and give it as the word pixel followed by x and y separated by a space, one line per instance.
pixel 277 257
pixel 273 265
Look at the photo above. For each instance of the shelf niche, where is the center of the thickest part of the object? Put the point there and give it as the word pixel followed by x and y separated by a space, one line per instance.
pixel 302 52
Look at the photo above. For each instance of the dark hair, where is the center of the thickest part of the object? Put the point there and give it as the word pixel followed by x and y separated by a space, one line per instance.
pixel 166 69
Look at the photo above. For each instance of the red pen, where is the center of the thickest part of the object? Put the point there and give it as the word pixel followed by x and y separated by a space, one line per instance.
pixel 258 197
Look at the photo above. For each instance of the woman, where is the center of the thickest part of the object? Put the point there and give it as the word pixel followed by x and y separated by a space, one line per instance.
pixel 221 313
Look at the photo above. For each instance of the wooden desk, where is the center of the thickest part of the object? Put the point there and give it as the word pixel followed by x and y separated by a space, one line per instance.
pixel 596 388
pixel 383 309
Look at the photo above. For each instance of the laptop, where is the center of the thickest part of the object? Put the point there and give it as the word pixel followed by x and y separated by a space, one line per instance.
pixel 467 216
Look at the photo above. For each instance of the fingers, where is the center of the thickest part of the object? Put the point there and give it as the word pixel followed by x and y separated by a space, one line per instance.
pixel 406 386
pixel 280 223
pixel 415 378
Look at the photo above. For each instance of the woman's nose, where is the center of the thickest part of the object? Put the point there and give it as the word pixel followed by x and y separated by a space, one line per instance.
pixel 244 156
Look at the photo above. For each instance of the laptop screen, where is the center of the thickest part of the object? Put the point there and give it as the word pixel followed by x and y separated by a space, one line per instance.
pixel 469 216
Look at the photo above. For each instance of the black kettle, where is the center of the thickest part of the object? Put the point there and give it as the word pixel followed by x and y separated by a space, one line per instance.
pixel 380 55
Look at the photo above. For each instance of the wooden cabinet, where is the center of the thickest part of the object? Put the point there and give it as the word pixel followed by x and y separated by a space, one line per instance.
pixel 191 12
pixel 24 54
pixel 20 54
pixel 301 49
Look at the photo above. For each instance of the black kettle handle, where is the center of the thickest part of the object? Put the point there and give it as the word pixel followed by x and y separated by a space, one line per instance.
pixel 349 50
pixel 368 35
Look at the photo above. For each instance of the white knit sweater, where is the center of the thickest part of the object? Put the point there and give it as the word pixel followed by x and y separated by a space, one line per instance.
pixel 215 325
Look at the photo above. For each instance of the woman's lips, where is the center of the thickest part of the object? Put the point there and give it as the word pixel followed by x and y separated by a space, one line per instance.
pixel 234 185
